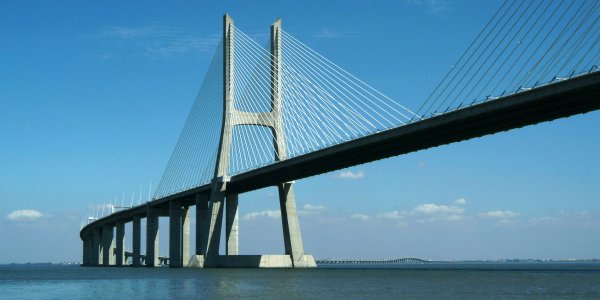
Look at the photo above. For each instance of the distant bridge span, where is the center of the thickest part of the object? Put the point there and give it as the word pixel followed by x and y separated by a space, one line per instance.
pixel 405 260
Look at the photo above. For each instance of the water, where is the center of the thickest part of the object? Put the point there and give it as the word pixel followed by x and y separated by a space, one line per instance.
pixel 463 281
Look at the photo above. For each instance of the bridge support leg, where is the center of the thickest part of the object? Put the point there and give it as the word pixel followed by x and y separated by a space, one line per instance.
pixel 201 223
pixel 292 238
pixel 136 241
pixel 202 228
pixel 107 245
pixel 85 248
pixel 119 253
pixel 214 225
pixel 175 234
pixel 185 236
pixel 231 224
pixel 152 238
pixel 96 248
pixel 88 249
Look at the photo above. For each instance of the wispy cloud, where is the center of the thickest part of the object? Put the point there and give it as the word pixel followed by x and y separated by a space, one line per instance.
pixel 434 7
pixel 329 34
pixel 314 207
pixel 311 209
pixel 152 31
pixel 270 214
pixel 461 201
pixel 437 209
pixel 562 218
pixel 499 214
pixel 161 41
pixel 392 215
pixel 360 217
pixel 24 215
pixel 430 212
pixel 350 175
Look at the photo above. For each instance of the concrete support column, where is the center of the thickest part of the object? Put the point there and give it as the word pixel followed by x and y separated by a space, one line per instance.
pixel 84 255
pixel 175 234
pixel 201 223
pixel 289 217
pixel 216 219
pixel 107 245
pixel 119 251
pixel 136 240
pixel 185 236
pixel 88 249
pixel 96 258
pixel 231 224
pixel 152 238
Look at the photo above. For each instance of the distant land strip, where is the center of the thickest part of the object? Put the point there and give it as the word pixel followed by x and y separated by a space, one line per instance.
pixel 406 260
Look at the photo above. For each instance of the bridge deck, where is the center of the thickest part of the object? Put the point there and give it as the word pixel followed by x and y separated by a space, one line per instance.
pixel 557 100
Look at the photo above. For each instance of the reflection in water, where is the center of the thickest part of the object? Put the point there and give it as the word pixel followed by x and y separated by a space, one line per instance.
pixel 464 281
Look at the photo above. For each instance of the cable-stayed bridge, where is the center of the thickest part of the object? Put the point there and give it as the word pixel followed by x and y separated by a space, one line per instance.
pixel 268 116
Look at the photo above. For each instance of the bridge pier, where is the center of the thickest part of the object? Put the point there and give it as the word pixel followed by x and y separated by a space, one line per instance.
pixel 179 234
pixel 107 245
pixel 185 236
pixel 119 251
pixel 136 236
pixel 292 238
pixel 88 250
pixel 96 248
pixel 201 223
pixel 175 234
pixel 231 224
pixel 152 217
pixel 215 223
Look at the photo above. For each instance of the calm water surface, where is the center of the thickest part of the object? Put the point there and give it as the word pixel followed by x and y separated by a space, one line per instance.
pixel 460 281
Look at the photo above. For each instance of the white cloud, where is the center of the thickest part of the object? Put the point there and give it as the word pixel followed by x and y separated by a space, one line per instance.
pixel 499 214
pixel 435 209
pixel 24 215
pixel 350 175
pixel 429 212
pixel 439 212
pixel 461 201
pixel 314 207
pixel 271 214
pixel 360 217
pixel 311 209
pixel 159 40
pixel 392 215
pixel 454 218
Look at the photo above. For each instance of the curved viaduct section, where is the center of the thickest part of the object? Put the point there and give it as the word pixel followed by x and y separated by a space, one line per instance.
pixel 556 100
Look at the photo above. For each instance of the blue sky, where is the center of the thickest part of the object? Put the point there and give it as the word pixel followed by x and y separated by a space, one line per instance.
pixel 94 95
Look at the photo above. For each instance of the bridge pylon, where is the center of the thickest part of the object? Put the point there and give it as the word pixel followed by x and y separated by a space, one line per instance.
pixel 220 199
